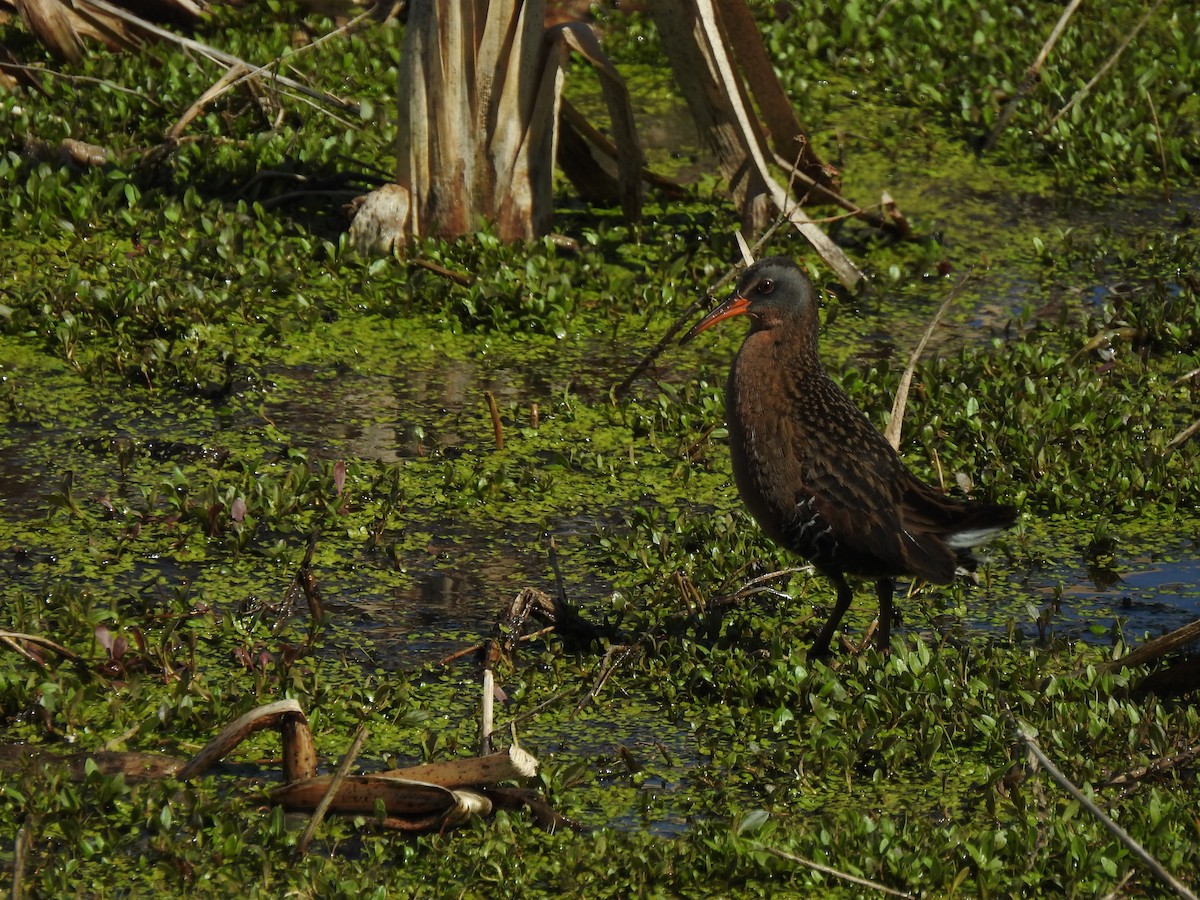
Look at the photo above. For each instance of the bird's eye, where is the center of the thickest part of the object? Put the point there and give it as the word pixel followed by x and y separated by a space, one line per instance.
pixel 765 286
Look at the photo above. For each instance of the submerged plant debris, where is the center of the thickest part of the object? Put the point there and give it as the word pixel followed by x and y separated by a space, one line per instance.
pixel 197 379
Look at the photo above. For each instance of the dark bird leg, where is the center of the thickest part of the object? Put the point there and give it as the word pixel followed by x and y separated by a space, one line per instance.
pixel 884 589
pixel 820 646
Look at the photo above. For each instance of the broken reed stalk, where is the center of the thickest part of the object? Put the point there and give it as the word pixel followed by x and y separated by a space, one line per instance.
pixel 339 776
pixel 488 769
pixel 1112 827
pixel 494 412
pixel 1032 75
pixel 896 423
pixel 486 725
pixel 268 716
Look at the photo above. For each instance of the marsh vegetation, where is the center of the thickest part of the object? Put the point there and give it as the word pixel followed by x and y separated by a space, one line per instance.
pixel 197 376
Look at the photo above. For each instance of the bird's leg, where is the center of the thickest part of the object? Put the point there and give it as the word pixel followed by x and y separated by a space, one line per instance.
pixel 884 588
pixel 820 646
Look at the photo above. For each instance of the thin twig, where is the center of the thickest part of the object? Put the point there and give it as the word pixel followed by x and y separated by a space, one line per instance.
pixel 1118 890
pixel 1183 435
pixel 1103 70
pixel 233 74
pixel 646 361
pixel 1186 376
pixel 1158 767
pixel 475 648
pixel 83 79
pixel 1112 827
pixel 541 707
pixel 335 783
pixel 896 422
pixel 1162 148
pixel 1032 75
pixel 14 639
pixel 456 277
pixel 608 665
pixel 836 873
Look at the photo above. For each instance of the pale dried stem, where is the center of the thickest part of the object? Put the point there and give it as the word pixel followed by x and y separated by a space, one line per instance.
pixel 896 422
pixel 1112 827
pixel 835 873
pixel 1104 69
pixel 1032 75
pixel 335 783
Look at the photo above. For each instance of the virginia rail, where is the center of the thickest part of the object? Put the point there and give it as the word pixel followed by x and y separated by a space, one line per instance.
pixel 816 475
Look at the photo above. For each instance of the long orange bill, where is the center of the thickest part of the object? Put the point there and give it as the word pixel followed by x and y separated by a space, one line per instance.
pixel 733 306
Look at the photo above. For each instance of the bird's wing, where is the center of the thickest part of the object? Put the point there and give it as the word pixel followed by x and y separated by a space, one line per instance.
pixel 859 491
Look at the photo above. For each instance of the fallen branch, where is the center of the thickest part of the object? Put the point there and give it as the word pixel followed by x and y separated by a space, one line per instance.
pixel 417 798
pixel 360 794
pixel 132 766
pixel 236 731
pixel 476 770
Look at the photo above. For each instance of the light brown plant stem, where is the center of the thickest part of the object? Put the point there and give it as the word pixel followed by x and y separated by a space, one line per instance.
pixel 1112 827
